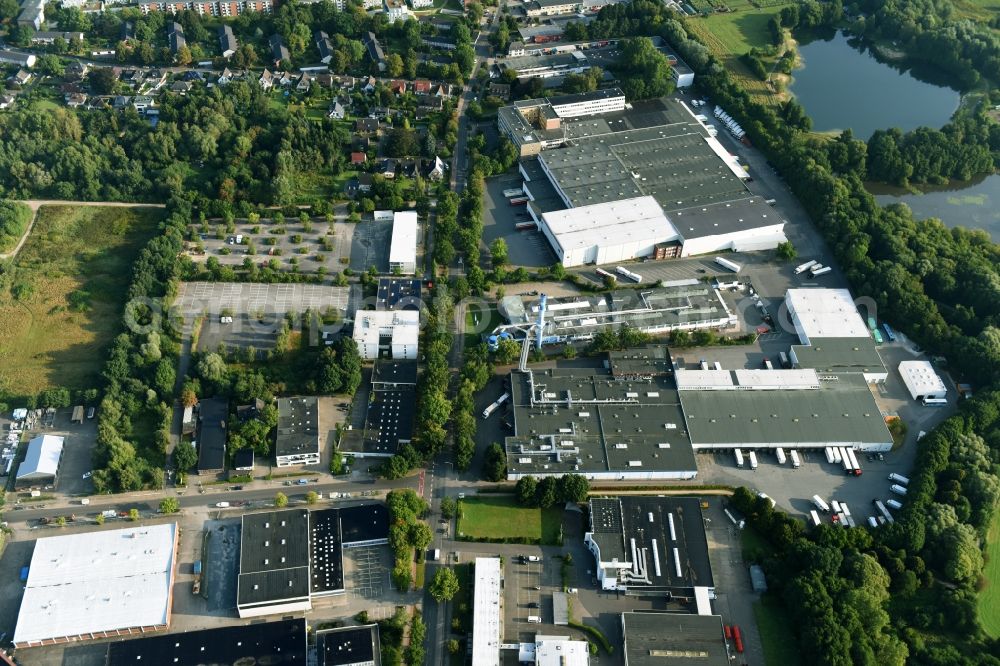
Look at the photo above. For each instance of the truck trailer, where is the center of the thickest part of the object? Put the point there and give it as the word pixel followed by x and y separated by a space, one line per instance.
pixel 780 453
pixel 802 268
pixel 820 504
pixel 794 455
pixel 731 265
pixel 899 478
pixel 492 408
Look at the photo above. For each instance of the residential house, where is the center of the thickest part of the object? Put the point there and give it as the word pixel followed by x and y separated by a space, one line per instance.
pixel 360 143
pixel 266 79
pixel 14 58
pixel 388 168
pixel 32 14
pixel 221 8
pixel 397 87
pixel 360 185
pixel 287 79
pixel 76 70
pixel 131 78
pixel 324 80
pixel 226 77
pixel 442 90
pixel 437 169
pixel 324 46
pixel 366 125
pixel 305 82
pixel 227 41
pixel 369 86
pixel 191 75
pixel 127 31
pixel 70 89
pixel 180 87
pixel 21 77
pixel 421 87
pixel 120 102
pixel 279 52
pixel 421 4
pixel 499 90
pixel 49 37
pixel 378 112
pixel 371 4
pixel 430 102
pixel 6 101
pixel 73 100
pixel 249 411
pixel 336 111
pixel 440 42
pixel 175 37
pixel 142 102
pixel 358 158
pixel 375 52
pixel 396 10
pixel 155 79
pixel 516 49
pixel 410 167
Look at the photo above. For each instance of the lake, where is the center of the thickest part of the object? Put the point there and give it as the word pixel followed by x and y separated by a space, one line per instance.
pixel 974 205
pixel 841 86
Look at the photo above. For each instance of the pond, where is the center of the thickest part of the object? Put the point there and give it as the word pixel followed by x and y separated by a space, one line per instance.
pixel 974 204
pixel 842 85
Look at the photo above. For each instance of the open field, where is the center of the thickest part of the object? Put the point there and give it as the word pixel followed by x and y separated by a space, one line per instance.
pixel 773 623
pixel 989 599
pixel 501 517
pixel 731 35
pixel 977 10
pixel 63 303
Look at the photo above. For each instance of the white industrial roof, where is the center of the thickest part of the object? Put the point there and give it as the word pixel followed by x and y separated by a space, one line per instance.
pixel 610 223
pixel 82 584
pixel 42 459
pixel 730 160
pixel 921 379
pixel 825 313
pixel 486 616
pixel 560 651
pixel 403 248
pixel 744 379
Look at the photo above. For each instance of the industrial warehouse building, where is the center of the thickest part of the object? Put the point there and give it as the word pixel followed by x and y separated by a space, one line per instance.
pixel 487 611
pixel 920 379
pixel 673 639
pixel 98 585
pixel 651 546
pixel 290 557
pixel 348 646
pixel 41 463
pixel 297 434
pixel 650 173
pixel 403 246
pixel 260 643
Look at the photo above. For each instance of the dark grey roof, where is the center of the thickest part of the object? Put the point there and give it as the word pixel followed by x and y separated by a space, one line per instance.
pixel 389 421
pixel 839 355
pixel 326 546
pixel 374 48
pixel 254 643
pixel 398 293
pixel 617 522
pixel 673 639
pixel 364 523
pixel 323 44
pixel 274 557
pixel 395 372
pixel 243 459
pixel 175 36
pixel 279 52
pixel 298 426
pixel 212 415
pixel 227 40
pixel 594 95
pixel 348 645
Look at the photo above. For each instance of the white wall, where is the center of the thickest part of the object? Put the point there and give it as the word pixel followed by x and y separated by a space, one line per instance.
pixel 762 238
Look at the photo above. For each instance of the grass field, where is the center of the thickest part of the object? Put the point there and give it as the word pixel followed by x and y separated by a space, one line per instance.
pixel 780 648
pixel 81 256
pixel 501 517
pixel 989 599
pixel 977 10
pixel 475 327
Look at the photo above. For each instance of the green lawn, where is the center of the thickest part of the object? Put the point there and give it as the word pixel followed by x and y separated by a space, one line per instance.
pixel 86 252
pixel 501 517
pixel 773 623
pixel 989 598
pixel 738 32
pixel 478 322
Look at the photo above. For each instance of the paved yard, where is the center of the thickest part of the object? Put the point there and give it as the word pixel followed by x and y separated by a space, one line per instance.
pixel 321 244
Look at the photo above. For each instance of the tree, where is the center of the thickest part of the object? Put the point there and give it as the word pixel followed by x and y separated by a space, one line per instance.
pixel 448 507
pixel 573 488
pixel 312 497
pixel 786 251
pixel 527 490
pixel 213 369
pixel 184 456
pixel 547 492
pixel 495 463
pixel 281 500
pixel 102 80
pixel 169 505
pixel 498 252
pixel 61 521
pixel 50 65
pixel 453 646
pixel 133 515
pixel 445 585
pixel 188 397
pixel 394 65
pixel 420 535
pixel 99 519
pixel 507 351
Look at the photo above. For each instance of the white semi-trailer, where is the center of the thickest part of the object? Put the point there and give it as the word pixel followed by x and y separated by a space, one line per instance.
pixel 492 408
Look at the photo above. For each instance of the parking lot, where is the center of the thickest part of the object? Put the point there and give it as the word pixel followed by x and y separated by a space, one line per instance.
pixel 366 572
pixel 316 244
pixel 370 246
pixel 221 562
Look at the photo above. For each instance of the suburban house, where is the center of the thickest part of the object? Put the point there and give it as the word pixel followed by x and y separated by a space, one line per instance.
pixel 358 158
pixel 175 37
pixel 324 46
pixel 279 52
pixel 266 79
pixel 227 41
pixel 336 111
pixel 375 51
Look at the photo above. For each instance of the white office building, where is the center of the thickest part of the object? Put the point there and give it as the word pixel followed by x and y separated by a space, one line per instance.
pixel 403 247
pixel 387 333
pixel 487 613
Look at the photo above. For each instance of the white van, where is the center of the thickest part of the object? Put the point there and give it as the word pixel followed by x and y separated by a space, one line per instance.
pixel 894 504
pixel 534 619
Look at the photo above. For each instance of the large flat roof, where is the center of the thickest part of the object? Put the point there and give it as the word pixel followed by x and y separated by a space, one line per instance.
pixel 398 294
pixel 274 557
pixel 843 411
pixel 639 219
pixel 298 426
pixel 589 421
pixel 839 355
pixel 326 552
pixel 403 246
pixel 673 639
pixel 82 585
pixel 212 415
pixel 657 526
pixel 487 615
pixel 346 646
pixel 825 313
pixel 262 642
